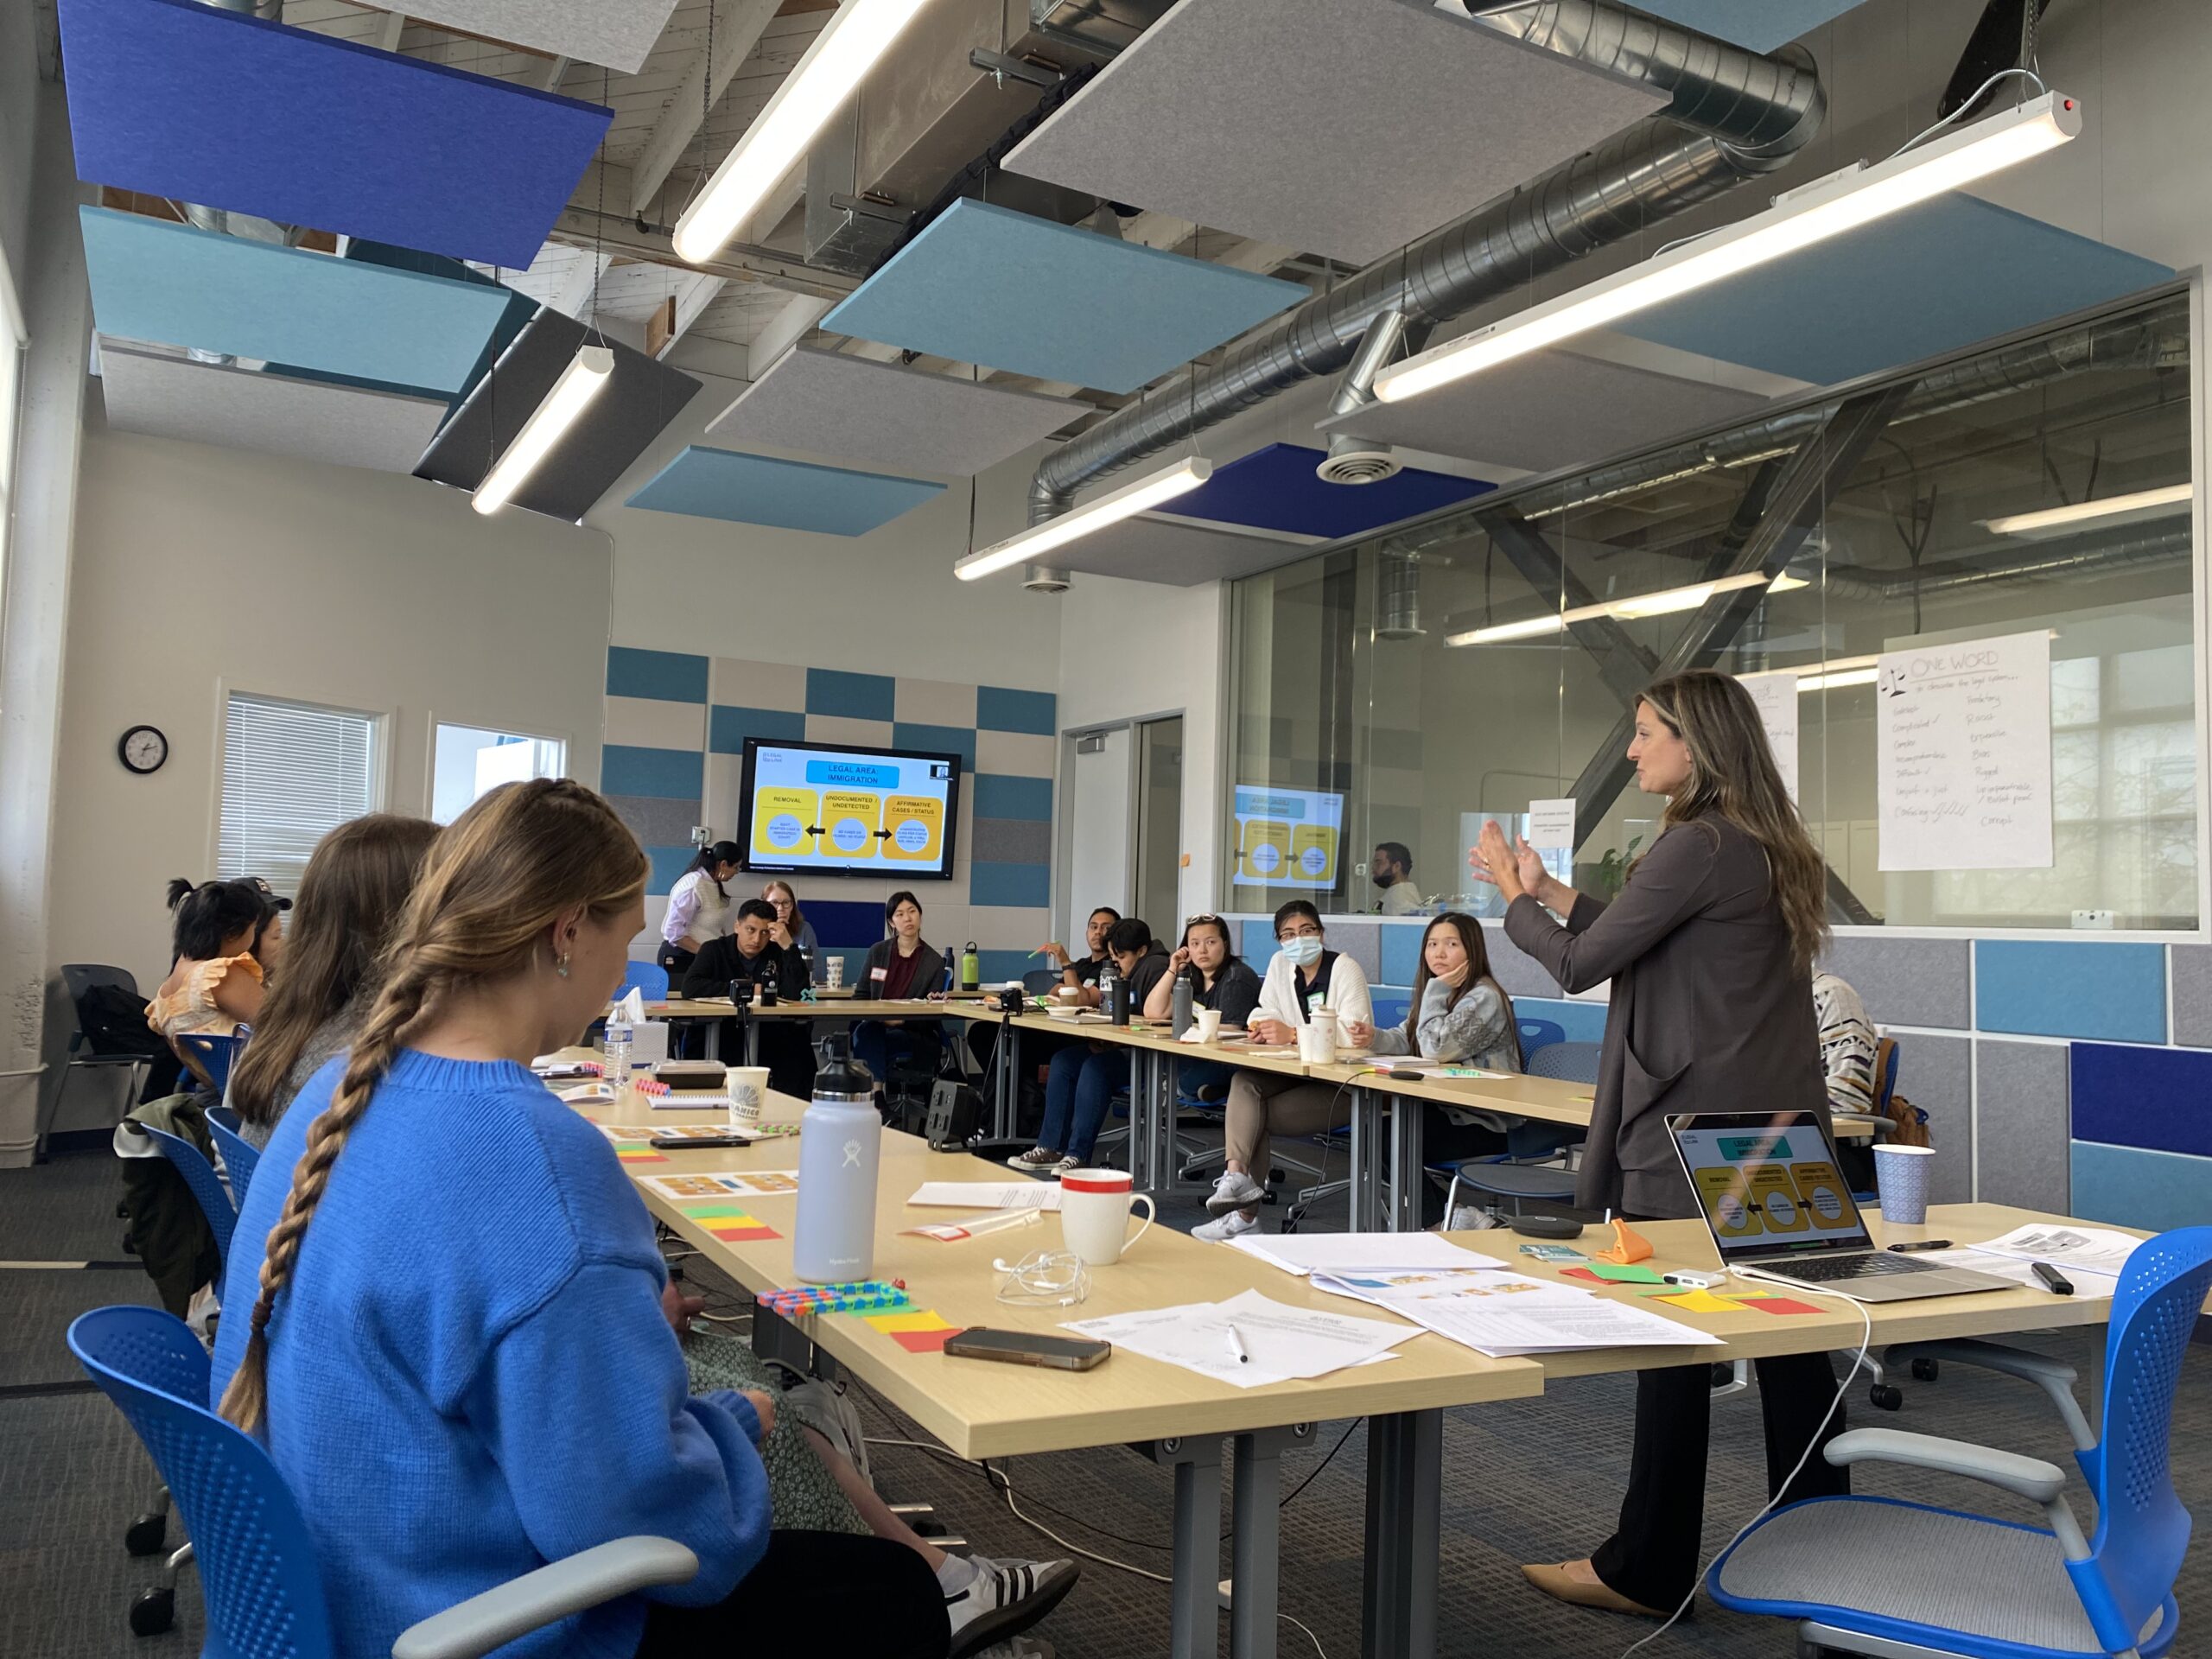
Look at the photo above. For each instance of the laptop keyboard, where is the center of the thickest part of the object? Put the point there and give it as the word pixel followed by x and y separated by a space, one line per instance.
pixel 1829 1269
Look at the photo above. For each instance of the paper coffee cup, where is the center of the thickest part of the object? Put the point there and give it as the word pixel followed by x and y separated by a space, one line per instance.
pixel 835 965
pixel 1901 1183
pixel 748 1094
pixel 1208 1021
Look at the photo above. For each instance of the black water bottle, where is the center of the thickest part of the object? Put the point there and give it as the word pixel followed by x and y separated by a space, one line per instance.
pixel 1118 1000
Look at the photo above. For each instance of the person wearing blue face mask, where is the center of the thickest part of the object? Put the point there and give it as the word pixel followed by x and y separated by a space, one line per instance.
pixel 1304 975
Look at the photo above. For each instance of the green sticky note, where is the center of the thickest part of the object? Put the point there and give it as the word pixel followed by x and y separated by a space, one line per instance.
pixel 1633 1273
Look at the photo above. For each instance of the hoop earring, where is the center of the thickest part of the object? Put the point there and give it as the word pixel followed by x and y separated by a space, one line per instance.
pixel 560 964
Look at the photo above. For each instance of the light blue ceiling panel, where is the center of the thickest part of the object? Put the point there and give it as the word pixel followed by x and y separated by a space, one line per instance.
pixel 1760 24
pixel 704 483
pixel 984 284
pixel 1936 278
pixel 170 285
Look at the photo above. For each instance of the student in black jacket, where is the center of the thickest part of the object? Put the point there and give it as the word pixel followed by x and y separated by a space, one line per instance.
pixel 751 955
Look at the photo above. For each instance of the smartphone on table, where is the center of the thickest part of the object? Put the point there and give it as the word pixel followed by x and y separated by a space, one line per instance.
pixel 1029 1348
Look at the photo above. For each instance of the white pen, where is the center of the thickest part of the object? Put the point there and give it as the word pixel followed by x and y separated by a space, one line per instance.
pixel 1236 1345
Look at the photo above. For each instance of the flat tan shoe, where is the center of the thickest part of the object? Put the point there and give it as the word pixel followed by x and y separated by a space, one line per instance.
pixel 1561 1586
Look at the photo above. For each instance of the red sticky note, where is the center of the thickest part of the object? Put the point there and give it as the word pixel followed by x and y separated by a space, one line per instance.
pixel 1583 1274
pixel 925 1342
pixel 1779 1305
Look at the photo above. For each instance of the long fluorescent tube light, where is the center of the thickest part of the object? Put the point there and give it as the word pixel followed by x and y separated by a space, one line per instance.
pixel 584 378
pixel 1665 602
pixel 1146 492
pixel 2107 509
pixel 1799 219
pixel 858 33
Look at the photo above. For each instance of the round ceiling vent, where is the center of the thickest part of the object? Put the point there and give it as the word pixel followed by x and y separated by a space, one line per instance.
pixel 1358 466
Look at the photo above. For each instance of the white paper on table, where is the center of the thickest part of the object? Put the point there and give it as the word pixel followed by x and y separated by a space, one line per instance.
pixel 1283 1342
pixel 1394 1063
pixel 732 1183
pixel 988 1195
pixel 2087 1284
pixel 1551 825
pixel 1962 754
pixel 1304 1253
pixel 588 1094
pixel 1506 1313
pixel 675 1134
pixel 2093 1249
pixel 1776 697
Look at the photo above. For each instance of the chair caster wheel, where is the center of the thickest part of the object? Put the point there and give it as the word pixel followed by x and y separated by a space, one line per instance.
pixel 153 1612
pixel 1926 1370
pixel 1723 1375
pixel 1886 1397
pixel 145 1536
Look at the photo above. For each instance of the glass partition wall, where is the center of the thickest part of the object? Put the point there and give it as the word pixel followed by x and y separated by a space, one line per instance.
pixel 1402 688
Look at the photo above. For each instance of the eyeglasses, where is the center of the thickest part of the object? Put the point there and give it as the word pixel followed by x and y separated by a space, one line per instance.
pixel 1309 931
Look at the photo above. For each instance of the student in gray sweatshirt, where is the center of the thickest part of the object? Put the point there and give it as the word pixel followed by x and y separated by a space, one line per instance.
pixel 1460 1011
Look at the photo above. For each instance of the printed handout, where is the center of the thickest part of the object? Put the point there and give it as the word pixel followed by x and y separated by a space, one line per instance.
pixel 726 1183
pixel 1279 1342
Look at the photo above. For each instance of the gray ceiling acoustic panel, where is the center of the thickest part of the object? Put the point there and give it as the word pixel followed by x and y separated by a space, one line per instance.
pixel 619 33
pixel 643 397
pixel 166 395
pixel 883 415
pixel 1339 127
pixel 1178 552
pixel 1548 410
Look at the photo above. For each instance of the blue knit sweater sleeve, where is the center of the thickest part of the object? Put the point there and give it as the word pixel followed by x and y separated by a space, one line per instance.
pixel 584 1407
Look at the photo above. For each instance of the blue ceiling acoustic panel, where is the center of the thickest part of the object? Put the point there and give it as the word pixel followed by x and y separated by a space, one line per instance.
pixel 1275 488
pixel 704 483
pixel 984 284
pixel 169 284
pixel 1760 24
pixel 176 99
pixel 1936 278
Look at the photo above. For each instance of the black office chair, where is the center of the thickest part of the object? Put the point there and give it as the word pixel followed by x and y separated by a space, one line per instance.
pixel 80 979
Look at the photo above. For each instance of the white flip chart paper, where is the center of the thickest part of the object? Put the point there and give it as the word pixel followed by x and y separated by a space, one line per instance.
pixel 1963 755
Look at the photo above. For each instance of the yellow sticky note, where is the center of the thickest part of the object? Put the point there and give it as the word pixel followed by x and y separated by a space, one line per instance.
pixel 1701 1301
pixel 893 1323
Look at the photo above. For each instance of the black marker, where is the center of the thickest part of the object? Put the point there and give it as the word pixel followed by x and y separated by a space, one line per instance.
pixel 2056 1283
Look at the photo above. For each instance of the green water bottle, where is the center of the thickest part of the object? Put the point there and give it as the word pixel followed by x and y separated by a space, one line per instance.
pixel 971 969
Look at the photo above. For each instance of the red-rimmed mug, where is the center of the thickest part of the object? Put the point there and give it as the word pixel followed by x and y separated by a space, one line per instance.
pixel 1095 1206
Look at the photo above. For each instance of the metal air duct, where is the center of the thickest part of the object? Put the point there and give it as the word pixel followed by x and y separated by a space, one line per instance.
pixel 1397 593
pixel 1734 115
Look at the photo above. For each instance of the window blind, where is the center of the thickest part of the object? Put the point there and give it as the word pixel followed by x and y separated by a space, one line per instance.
pixel 291 774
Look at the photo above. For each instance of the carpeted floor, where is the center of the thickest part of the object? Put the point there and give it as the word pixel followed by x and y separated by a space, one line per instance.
pixel 1533 1481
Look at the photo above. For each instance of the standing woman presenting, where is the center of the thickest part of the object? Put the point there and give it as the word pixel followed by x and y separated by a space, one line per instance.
pixel 1710 948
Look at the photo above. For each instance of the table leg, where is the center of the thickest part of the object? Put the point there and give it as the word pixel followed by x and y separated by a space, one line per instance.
pixel 1407 1174
pixel 1007 1112
pixel 1405 1457
pixel 1366 1203
pixel 1194 1598
pixel 1255 1539
pixel 752 1042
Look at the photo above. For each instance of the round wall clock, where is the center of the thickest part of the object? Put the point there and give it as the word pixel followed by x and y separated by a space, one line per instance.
pixel 142 749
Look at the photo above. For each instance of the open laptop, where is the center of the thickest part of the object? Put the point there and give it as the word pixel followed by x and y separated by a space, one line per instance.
pixel 1772 1193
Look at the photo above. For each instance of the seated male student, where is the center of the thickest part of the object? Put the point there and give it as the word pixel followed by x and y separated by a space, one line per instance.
pixel 1080 1083
pixel 750 955
pixel 1077 974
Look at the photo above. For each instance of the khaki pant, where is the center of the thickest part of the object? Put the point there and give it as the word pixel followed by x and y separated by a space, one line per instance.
pixel 1263 1105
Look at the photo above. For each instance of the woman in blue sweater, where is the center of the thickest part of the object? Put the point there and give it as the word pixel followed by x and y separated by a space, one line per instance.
pixel 457 1348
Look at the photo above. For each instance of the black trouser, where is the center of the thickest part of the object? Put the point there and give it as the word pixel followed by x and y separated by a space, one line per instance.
pixel 784 1047
pixel 826 1593
pixel 684 1042
pixel 1654 1559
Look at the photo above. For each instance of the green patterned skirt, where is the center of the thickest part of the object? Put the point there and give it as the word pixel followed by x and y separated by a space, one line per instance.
pixel 803 1495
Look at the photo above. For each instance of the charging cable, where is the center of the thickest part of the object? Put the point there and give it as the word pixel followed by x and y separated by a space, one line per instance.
pixel 1043 1279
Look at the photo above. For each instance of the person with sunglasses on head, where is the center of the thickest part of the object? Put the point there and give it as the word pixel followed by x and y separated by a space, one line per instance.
pixel 1219 979
pixel 1305 974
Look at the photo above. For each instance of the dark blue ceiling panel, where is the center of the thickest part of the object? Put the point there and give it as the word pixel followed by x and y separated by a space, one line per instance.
pixel 1275 488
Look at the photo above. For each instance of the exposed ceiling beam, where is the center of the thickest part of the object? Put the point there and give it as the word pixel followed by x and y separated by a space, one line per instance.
pixel 693 293
pixel 551 73
pixel 800 313
pixel 389 28
pixel 573 297
pixel 581 226
pixel 737 28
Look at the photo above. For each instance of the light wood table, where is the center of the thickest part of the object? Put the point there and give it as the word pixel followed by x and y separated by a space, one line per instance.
pixel 843 1008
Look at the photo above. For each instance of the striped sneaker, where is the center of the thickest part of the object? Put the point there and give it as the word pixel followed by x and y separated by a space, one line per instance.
pixel 1003 1598
pixel 1041 1160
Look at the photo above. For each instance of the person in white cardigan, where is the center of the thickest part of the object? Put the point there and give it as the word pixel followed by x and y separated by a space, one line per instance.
pixel 1304 975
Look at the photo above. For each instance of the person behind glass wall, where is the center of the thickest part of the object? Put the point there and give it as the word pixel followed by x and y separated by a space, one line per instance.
pixel 750 955
pixel 1391 866
pixel 902 966
pixel 1080 1083
pixel 1219 979
pixel 1709 949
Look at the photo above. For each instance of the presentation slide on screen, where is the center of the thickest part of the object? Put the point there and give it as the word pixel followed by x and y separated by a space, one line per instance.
pixel 1772 1184
pixel 820 810
pixel 1288 837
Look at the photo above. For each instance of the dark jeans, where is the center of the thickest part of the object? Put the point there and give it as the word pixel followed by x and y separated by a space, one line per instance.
pixel 1653 1558
pixel 783 1046
pixel 826 1593
pixel 875 1045
pixel 1078 1088
pixel 687 1038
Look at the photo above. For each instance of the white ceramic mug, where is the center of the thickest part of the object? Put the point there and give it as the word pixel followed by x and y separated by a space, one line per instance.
pixel 1095 1207
pixel 1209 1025
pixel 749 1093
pixel 1317 1037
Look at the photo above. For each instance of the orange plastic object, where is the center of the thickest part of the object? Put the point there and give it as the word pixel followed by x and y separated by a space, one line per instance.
pixel 1629 1245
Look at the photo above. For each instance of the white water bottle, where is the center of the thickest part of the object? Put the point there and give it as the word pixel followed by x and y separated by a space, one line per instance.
pixel 617 1070
pixel 839 1140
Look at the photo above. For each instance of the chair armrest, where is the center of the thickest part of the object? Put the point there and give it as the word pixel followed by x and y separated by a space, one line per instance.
pixel 2040 1483
pixel 2054 1377
pixel 500 1614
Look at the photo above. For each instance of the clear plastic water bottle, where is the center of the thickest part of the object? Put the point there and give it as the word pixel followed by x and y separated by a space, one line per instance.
pixel 618 1055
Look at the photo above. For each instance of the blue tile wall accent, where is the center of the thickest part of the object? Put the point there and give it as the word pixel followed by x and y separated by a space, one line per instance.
pixel 2060 988
pixel 729 724
pixel 2155 1190
pixel 856 697
pixel 839 922
pixel 1026 885
pixel 670 676
pixel 669 862
pixel 1402 951
pixel 1000 966
pixel 998 797
pixel 2159 1099
pixel 942 739
pixel 1906 982
pixel 1584 1022
pixel 1256 943
pixel 668 774
pixel 1001 708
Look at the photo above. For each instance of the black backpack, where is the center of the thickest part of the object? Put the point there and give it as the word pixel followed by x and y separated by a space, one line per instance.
pixel 114 1022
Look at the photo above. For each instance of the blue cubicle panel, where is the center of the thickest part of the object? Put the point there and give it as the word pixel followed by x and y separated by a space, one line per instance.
pixel 1761 25
pixel 169 284
pixel 1275 488
pixel 1936 278
pixel 704 483
pixel 179 99
pixel 984 284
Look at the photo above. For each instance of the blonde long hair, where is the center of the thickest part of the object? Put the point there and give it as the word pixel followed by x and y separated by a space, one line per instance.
pixel 1732 773
pixel 501 874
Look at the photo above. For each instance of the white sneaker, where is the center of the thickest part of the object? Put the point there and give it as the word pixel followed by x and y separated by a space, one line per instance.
pixel 1004 1598
pixel 1470 1218
pixel 1040 1160
pixel 1236 1192
pixel 1235 1224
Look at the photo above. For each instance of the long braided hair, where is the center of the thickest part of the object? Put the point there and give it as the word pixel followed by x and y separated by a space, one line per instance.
pixel 494 881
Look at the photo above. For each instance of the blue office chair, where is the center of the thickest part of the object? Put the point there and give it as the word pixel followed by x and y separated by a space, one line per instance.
pixel 1039 982
pixel 210 1055
pixel 207 1187
pixel 648 979
pixel 240 1156
pixel 1538 1033
pixel 1869 1575
pixel 258 1576
pixel 1569 1062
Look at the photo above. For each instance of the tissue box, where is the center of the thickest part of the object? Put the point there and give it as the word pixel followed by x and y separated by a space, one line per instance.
pixel 687 1076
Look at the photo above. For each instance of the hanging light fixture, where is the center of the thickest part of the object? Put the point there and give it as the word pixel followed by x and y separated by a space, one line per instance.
pixel 584 378
pixel 2107 509
pixel 1130 499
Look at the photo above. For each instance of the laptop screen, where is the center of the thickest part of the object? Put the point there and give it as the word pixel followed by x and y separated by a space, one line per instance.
pixel 1768 1184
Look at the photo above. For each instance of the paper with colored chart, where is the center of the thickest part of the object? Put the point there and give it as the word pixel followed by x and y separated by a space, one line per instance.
pixel 918 1331
pixel 988 1195
pixel 2021 1270
pixel 1304 1253
pixel 1507 1313
pixel 733 1224
pixel 1281 1342
pixel 631 1144
pixel 2090 1249
pixel 725 1184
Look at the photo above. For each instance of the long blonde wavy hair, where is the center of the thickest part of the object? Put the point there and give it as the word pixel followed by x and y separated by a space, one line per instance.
pixel 1732 773
pixel 494 881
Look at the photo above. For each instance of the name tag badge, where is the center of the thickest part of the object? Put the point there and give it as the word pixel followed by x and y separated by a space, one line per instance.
pixel 878 974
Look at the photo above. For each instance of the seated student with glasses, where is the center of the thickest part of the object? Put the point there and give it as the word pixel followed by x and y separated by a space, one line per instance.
pixel 1219 979
pixel 1080 1083
pixel 1303 976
